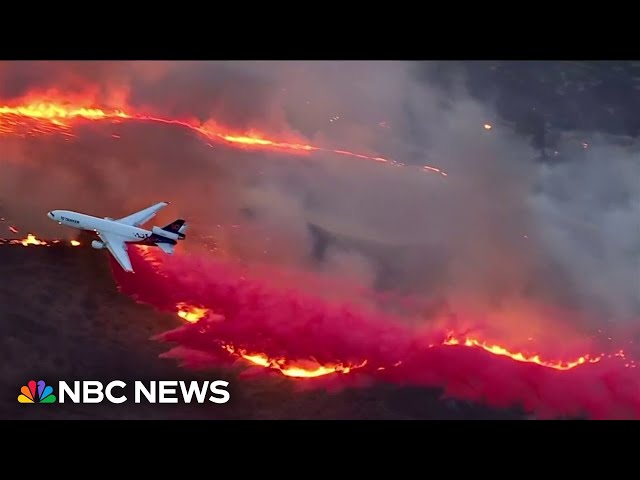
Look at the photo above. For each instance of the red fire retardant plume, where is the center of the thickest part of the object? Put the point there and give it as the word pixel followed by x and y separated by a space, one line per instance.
pixel 294 328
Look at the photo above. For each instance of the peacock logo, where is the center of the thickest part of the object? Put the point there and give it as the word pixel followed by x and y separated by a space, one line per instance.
pixel 36 392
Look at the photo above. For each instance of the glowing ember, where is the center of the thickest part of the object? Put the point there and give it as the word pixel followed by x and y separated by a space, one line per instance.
pixel 75 243
pixel 49 114
pixel 434 169
pixel 13 229
pixel 487 126
pixel 190 313
pixel 519 356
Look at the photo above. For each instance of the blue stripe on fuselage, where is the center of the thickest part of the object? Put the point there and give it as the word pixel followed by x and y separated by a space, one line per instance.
pixel 153 238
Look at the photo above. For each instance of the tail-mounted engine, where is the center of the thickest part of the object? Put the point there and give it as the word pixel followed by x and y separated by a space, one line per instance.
pixel 166 234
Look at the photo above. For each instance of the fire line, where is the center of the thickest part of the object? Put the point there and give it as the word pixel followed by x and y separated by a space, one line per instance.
pixel 193 314
pixel 58 116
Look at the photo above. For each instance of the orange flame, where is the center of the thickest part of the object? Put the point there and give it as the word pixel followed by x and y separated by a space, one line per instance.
pixel 190 313
pixel 58 113
pixel 312 369
pixel 32 240
pixel 288 369
pixel 194 314
pixel 53 113
pixel 519 356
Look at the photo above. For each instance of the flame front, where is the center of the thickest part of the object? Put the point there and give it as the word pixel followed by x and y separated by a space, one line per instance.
pixel 296 369
pixel 57 113
pixel 519 356
pixel 193 314
pixel 289 369
pixel 32 240
pixel 53 113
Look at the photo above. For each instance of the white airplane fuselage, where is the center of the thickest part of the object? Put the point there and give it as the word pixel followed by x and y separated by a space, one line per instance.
pixel 82 221
pixel 116 234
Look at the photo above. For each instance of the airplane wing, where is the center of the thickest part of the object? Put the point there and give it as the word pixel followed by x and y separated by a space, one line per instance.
pixel 143 216
pixel 116 245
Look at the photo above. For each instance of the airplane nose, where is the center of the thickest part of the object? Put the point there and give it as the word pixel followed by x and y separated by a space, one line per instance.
pixel 51 215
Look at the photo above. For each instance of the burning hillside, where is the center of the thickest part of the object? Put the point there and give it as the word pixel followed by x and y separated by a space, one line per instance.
pixel 485 282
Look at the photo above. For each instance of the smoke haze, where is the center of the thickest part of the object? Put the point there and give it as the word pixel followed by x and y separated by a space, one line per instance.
pixel 531 248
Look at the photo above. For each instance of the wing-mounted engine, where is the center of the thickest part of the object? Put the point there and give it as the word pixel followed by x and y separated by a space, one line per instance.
pixel 98 245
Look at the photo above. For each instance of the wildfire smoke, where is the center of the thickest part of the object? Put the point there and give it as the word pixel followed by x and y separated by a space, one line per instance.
pixel 495 247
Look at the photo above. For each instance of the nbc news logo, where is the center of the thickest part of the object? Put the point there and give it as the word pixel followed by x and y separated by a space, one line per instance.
pixel 36 392
pixel 93 391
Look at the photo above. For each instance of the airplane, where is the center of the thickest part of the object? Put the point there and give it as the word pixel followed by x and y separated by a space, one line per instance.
pixel 115 235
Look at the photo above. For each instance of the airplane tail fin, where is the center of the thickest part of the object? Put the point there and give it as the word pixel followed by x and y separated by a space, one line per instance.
pixel 179 227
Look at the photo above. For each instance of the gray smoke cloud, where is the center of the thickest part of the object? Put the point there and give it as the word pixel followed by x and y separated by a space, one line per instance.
pixel 502 235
